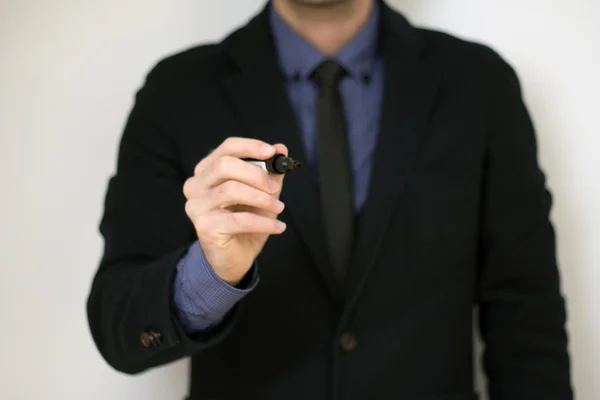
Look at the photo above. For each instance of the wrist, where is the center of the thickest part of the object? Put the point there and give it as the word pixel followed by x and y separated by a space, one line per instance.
pixel 240 283
pixel 232 275
pixel 233 279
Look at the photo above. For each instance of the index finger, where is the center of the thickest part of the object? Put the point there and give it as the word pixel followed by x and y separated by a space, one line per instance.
pixel 244 148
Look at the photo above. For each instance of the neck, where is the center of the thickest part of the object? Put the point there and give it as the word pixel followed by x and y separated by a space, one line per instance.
pixel 327 26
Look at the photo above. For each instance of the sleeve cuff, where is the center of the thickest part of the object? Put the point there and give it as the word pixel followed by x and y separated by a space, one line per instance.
pixel 201 296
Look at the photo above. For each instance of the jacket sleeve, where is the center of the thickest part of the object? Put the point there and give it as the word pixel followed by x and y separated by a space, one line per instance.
pixel 146 233
pixel 522 313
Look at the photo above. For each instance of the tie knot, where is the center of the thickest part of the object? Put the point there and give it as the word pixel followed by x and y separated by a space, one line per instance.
pixel 328 74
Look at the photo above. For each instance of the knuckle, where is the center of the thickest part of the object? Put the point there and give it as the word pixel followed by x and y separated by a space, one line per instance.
pixel 229 143
pixel 219 192
pixel 187 187
pixel 190 208
pixel 201 223
pixel 222 165
pixel 198 168
pixel 230 189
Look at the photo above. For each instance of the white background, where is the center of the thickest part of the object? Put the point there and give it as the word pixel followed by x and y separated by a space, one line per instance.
pixel 68 73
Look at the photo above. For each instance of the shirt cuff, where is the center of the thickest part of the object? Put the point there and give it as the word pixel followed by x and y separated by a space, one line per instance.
pixel 201 297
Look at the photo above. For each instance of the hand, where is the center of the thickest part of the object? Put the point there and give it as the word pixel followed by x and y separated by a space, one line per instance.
pixel 234 205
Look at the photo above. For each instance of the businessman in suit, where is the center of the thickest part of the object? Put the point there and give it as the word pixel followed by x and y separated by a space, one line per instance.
pixel 356 276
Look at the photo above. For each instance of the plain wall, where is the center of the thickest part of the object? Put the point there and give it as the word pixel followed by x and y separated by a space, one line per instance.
pixel 68 73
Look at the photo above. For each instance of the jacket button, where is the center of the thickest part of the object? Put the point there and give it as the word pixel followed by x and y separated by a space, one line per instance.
pixel 150 339
pixel 348 342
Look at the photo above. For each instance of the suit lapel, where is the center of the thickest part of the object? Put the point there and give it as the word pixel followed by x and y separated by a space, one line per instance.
pixel 259 98
pixel 409 92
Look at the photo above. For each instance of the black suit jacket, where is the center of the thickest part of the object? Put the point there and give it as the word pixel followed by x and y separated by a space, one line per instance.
pixel 457 216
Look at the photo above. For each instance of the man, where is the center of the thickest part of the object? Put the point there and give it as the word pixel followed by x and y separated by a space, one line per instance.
pixel 352 278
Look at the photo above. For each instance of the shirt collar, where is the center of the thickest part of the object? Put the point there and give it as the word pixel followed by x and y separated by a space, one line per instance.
pixel 298 58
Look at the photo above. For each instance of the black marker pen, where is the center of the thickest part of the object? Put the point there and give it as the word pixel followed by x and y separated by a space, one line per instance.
pixel 278 164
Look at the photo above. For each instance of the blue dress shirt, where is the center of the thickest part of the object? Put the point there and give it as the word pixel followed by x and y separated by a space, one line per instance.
pixel 201 298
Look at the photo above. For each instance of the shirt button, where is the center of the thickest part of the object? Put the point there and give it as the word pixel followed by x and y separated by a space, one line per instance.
pixel 150 339
pixel 348 342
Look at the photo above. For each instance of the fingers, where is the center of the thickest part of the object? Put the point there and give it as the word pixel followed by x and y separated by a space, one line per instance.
pixel 215 170
pixel 238 223
pixel 228 168
pixel 241 148
pixel 227 195
pixel 244 148
pixel 232 193
pixel 235 147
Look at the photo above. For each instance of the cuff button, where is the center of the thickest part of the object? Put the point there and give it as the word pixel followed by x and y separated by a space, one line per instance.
pixel 348 342
pixel 150 339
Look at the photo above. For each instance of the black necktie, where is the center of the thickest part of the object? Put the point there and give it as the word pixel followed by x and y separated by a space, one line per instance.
pixel 335 172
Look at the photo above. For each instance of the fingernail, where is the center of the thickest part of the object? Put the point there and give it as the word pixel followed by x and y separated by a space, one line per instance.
pixel 266 149
pixel 281 226
pixel 273 185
